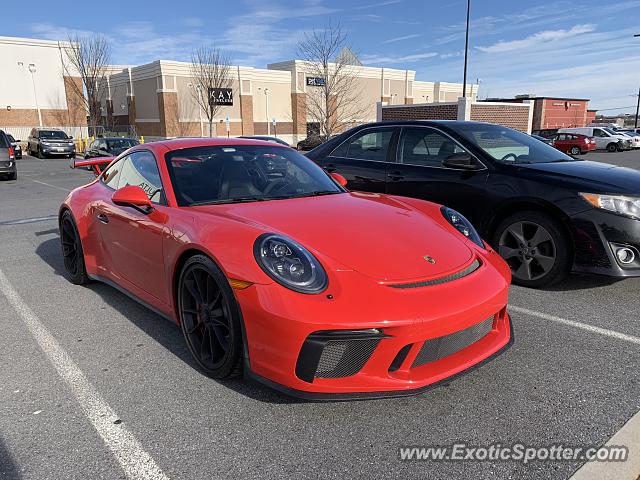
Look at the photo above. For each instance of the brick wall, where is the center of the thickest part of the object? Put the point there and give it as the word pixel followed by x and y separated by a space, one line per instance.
pixel 435 111
pixel 512 116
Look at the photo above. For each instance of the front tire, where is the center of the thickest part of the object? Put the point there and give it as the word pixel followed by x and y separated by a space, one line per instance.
pixel 612 147
pixel 210 318
pixel 39 153
pixel 536 248
pixel 72 252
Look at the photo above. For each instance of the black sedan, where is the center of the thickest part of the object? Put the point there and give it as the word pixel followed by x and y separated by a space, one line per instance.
pixel 17 148
pixel 109 146
pixel 545 212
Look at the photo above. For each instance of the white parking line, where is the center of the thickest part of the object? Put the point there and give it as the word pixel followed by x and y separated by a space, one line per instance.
pixel 629 436
pixel 583 326
pixel 49 185
pixel 134 460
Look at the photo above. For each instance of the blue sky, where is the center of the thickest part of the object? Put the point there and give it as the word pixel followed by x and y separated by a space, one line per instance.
pixel 546 47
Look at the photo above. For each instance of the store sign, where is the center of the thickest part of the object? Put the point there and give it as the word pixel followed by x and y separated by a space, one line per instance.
pixel 315 81
pixel 221 96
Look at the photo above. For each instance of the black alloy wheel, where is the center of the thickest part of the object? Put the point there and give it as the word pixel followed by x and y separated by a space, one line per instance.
pixel 535 247
pixel 72 252
pixel 210 318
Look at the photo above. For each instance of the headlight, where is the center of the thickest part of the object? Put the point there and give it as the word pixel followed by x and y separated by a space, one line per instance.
pixel 462 225
pixel 289 263
pixel 629 206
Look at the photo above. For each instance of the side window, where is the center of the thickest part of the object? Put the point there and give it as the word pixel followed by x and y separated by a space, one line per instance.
pixel 140 169
pixel 111 175
pixel 367 145
pixel 426 147
pixel 598 133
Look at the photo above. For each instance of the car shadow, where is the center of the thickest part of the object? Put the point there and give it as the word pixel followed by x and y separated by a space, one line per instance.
pixel 160 329
pixel 578 281
pixel 8 467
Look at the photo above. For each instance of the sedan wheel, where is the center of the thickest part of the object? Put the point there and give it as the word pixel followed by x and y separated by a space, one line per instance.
pixel 575 151
pixel 72 253
pixel 535 248
pixel 210 318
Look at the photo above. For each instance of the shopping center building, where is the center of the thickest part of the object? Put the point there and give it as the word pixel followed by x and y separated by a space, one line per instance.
pixel 158 99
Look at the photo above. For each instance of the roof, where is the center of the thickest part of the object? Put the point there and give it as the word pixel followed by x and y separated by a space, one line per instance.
pixel 515 99
pixel 180 143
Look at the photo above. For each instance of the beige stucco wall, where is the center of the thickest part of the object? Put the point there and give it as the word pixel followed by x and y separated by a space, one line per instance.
pixel 146 99
pixel 16 87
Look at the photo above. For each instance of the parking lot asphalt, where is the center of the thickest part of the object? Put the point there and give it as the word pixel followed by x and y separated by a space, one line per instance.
pixel 562 381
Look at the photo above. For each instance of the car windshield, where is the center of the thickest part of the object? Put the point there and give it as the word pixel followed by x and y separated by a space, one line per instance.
pixel 11 139
pixel 52 134
pixel 121 143
pixel 244 173
pixel 612 131
pixel 510 146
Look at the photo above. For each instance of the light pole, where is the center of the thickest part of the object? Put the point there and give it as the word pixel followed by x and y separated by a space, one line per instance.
pixel 266 108
pixel 466 52
pixel 478 82
pixel 199 90
pixel 32 70
pixel 638 102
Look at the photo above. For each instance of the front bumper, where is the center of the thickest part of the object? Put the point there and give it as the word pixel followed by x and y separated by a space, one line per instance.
pixel 596 232
pixel 57 149
pixel 280 325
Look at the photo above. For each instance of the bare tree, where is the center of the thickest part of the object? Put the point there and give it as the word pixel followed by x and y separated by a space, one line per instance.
pixel 335 101
pixel 88 56
pixel 209 69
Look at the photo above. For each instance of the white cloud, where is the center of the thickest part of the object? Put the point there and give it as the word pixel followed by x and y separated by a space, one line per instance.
pixel 383 59
pixel 400 39
pixel 545 36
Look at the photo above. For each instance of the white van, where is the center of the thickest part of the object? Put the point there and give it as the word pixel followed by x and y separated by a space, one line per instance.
pixel 605 138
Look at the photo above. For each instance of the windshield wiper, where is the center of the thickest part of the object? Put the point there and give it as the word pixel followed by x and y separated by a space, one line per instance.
pixel 229 200
pixel 315 193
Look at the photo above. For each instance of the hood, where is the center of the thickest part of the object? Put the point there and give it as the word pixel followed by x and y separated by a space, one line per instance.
pixel 373 234
pixel 595 177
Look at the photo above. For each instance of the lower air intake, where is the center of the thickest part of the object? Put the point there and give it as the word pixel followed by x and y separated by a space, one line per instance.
pixel 343 358
pixel 437 348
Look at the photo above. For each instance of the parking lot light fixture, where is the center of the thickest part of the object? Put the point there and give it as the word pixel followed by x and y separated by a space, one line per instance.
pixel 32 70
pixel 466 52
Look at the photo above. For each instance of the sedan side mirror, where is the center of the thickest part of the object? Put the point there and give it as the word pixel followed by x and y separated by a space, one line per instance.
pixel 133 196
pixel 461 161
pixel 339 178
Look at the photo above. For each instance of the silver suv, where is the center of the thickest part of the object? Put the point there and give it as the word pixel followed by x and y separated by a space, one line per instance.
pixel 50 141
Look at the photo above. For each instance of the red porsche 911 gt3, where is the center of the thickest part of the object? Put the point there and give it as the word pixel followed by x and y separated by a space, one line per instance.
pixel 273 268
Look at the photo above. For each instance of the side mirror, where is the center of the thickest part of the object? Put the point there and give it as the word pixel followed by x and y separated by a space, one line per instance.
pixel 460 160
pixel 132 196
pixel 18 141
pixel 339 178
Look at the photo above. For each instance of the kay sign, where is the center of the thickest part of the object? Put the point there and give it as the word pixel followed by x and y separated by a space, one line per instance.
pixel 221 96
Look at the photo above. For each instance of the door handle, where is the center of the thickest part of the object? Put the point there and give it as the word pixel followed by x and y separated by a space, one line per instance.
pixel 395 176
pixel 330 168
pixel 103 218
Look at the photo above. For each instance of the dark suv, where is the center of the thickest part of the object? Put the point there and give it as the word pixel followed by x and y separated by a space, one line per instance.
pixel 50 141
pixel 545 212
pixel 7 158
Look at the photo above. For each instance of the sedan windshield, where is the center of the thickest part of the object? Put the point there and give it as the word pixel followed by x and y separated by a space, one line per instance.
pixel 244 173
pixel 510 146
pixel 121 143
pixel 52 134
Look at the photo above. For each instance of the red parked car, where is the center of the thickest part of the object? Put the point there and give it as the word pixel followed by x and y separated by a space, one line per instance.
pixel 273 268
pixel 573 143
